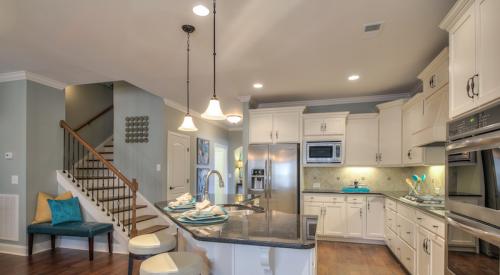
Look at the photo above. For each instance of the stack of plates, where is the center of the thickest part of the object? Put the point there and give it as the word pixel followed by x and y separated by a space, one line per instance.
pixel 200 217
pixel 182 207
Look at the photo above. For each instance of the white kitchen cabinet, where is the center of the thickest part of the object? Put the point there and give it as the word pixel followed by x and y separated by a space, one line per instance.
pixel 325 124
pixel 362 140
pixel 313 208
pixel 275 125
pixel 355 219
pixel 390 133
pixel 474 54
pixel 374 217
pixel 430 253
pixel 334 220
pixel 423 258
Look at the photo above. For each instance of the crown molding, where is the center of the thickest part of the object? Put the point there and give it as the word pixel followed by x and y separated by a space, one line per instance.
pixel 337 101
pixel 245 98
pixel 454 14
pixel 236 129
pixel 182 108
pixel 23 75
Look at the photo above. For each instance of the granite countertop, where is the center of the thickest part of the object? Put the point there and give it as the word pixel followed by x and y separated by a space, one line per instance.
pixel 271 228
pixel 437 211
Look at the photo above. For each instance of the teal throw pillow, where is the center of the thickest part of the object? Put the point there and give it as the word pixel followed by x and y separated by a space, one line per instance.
pixel 65 211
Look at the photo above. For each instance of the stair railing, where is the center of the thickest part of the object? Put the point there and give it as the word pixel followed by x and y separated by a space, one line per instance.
pixel 100 180
pixel 92 119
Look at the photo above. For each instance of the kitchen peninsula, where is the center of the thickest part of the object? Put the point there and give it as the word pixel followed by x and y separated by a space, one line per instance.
pixel 250 241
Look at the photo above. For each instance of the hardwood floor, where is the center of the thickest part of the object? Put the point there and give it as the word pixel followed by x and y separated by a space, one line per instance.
pixel 333 258
pixel 356 259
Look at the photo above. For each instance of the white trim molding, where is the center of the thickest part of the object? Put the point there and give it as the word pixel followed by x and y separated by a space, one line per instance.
pixel 244 98
pixel 23 75
pixel 337 101
pixel 22 250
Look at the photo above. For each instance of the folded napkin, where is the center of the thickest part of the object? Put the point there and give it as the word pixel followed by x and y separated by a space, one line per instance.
pixel 181 200
pixel 202 205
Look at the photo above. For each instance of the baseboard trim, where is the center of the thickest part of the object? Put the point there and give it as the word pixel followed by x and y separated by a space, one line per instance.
pixel 22 250
pixel 350 240
pixel 82 244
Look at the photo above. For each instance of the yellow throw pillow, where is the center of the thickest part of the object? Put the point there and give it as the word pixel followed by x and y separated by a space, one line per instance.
pixel 43 213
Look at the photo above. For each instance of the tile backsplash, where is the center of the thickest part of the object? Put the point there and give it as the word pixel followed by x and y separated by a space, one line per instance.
pixel 376 178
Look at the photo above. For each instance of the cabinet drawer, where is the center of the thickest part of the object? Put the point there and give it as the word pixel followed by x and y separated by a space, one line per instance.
pixel 390 219
pixel 430 223
pixel 407 257
pixel 406 230
pixel 406 211
pixel 355 199
pixel 315 198
pixel 390 204
pixel 389 238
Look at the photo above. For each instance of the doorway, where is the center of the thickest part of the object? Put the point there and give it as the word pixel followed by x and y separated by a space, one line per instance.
pixel 178 165
pixel 220 164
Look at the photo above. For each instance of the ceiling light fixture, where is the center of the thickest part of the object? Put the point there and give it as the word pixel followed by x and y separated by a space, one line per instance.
pixel 353 77
pixel 213 111
pixel 188 124
pixel 234 119
pixel 258 85
pixel 201 10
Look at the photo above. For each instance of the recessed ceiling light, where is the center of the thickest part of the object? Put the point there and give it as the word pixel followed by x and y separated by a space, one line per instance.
pixel 258 85
pixel 353 77
pixel 233 118
pixel 201 10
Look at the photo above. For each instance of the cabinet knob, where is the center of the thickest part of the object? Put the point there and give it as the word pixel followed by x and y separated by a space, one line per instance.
pixel 468 88
pixel 435 226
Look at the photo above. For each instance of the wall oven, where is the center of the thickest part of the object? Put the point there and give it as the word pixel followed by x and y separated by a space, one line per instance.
pixel 473 192
pixel 323 152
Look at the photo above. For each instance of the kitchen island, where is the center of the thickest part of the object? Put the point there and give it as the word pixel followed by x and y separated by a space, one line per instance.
pixel 249 242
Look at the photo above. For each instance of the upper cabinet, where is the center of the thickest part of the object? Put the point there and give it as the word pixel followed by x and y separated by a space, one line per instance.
pixel 275 125
pixel 324 124
pixel 390 131
pixel 474 54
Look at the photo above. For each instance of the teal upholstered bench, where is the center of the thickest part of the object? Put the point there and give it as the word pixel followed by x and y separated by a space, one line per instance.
pixel 75 229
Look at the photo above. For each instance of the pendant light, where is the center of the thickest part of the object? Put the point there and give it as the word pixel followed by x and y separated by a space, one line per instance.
pixel 213 111
pixel 188 124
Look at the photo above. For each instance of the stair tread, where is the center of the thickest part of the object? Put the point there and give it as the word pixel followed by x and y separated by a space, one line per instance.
pixel 99 159
pixel 152 229
pixel 126 208
pixel 115 198
pixel 109 145
pixel 105 188
pixel 105 153
pixel 95 178
pixel 92 168
pixel 139 219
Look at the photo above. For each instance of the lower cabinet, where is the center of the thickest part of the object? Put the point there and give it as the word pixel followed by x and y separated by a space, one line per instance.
pixel 333 221
pixel 430 251
pixel 355 219
pixel 374 217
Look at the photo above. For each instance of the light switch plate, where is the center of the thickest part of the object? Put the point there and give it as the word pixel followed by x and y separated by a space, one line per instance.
pixel 14 179
pixel 158 167
pixel 316 185
pixel 9 155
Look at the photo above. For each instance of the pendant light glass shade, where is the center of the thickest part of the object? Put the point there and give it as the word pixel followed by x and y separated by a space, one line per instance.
pixel 213 112
pixel 188 124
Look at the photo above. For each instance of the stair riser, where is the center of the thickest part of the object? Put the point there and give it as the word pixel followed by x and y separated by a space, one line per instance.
pixel 148 223
pixel 92 173
pixel 101 182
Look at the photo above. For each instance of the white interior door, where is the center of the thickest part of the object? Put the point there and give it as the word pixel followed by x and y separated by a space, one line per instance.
pixel 220 160
pixel 178 165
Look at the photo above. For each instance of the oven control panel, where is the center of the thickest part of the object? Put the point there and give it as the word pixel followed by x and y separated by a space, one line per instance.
pixel 477 123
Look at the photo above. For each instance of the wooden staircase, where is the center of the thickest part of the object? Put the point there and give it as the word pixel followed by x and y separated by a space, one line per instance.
pixel 93 172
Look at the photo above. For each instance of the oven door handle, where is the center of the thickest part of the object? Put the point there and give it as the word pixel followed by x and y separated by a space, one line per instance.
pixel 486 141
pixel 490 236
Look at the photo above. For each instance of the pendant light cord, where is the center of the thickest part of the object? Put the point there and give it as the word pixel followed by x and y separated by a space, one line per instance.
pixel 214 53
pixel 187 81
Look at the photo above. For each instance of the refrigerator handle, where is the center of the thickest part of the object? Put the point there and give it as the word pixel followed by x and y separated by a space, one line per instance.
pixel 270 181
pixel 266 171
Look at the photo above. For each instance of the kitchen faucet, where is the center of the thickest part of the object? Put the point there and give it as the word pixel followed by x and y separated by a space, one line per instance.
pixel 205 188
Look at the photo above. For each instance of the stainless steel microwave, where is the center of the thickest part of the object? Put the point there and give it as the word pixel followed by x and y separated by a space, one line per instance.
pixel 323 152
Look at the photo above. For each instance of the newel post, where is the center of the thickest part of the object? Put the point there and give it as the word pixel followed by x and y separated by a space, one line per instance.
pixel 135 187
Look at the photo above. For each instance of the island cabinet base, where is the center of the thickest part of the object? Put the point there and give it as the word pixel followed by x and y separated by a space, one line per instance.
pixel 242 259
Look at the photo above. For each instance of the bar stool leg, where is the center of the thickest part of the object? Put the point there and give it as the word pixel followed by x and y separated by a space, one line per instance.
pixel 130 263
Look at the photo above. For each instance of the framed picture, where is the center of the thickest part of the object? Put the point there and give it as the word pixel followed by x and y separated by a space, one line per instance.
pixel 203 151
pixel 201 173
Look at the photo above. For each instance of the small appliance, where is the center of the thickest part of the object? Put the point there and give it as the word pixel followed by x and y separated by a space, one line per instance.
pixel 323 152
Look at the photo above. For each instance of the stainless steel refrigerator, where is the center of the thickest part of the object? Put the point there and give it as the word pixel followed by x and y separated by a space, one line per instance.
pixel 273 173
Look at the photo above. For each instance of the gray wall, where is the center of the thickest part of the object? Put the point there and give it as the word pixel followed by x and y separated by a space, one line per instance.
pixel 139 160
pixel 13 98
pixel 29 117
pixel 84 102
pixel 235 141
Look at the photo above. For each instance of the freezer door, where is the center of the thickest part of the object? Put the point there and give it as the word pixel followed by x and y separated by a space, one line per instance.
pixel 283 178
pixel 258 159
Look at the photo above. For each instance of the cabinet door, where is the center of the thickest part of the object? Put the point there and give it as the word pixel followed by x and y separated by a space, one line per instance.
pixel 411 154
pixel 390 122
pixel 488 50
pixel 375 217
pixel 362 141
pixel 423 257
pixel 260 128
pixel 334 222
pixel 437 247
pixel 355 216
pixel 334 126
pixel 286 127
pixel 463 62
pixel 313 126
pixel 435 113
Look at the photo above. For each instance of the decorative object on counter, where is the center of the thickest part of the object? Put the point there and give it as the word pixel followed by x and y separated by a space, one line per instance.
pixel 137 129
pixel 412 188
pixel 182 203
pixel 205 213
pixel 203 151
pixel 355 189
pixel 201 173
pixel 188 124
pixel 214 111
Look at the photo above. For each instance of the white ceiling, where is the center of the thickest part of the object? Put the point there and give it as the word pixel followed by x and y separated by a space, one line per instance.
pixel 299 49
